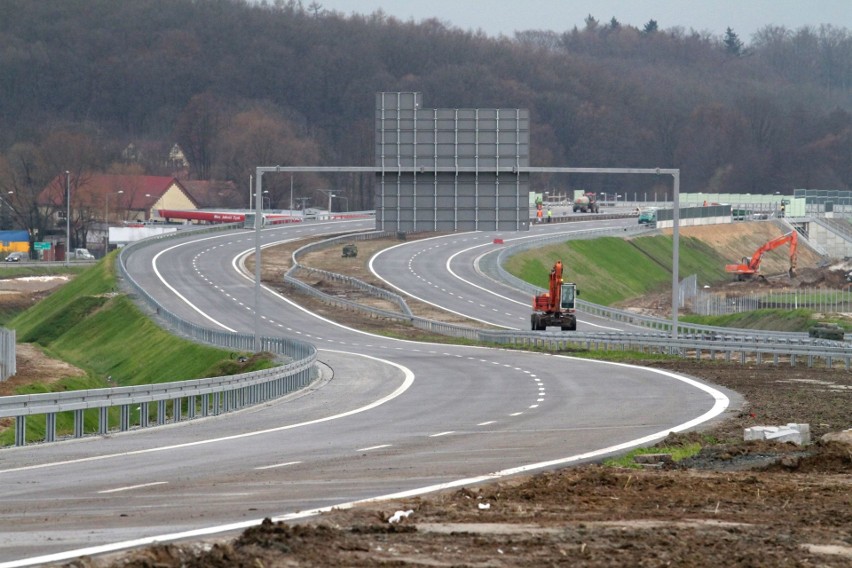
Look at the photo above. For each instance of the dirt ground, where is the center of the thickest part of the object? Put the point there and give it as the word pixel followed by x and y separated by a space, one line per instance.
pixel 735 503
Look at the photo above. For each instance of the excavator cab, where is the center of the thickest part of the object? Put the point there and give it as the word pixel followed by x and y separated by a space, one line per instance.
pixel 569 291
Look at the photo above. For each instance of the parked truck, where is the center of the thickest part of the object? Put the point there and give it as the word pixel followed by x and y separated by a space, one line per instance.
pixel 586 203
pixel 556 306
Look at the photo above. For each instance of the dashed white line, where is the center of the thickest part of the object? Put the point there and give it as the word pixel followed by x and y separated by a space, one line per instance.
pixel 131 487
pixel 285 464
pixel 373 448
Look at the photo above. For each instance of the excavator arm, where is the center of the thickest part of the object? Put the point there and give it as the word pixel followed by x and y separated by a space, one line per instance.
pixel 550 302
pixel 750 267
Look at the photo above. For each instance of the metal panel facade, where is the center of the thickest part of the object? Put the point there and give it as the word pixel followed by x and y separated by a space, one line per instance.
pixel 431 200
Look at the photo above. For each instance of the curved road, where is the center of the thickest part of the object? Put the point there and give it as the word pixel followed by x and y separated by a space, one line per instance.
pixel 388 417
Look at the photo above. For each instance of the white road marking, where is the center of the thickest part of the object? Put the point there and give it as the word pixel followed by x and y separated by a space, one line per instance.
pixel 273 466
pixel 131 487
pixel 439 434
pixel 721 402
pixel 379 447
pixel 406 384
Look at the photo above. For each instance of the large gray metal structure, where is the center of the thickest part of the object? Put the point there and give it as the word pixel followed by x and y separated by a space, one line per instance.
pixel 440 169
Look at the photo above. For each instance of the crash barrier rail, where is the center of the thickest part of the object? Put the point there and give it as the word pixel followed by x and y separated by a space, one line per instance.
pixel 700 346
pixel 175 402
pixel 8 353
pixel 399 301
pixel 495 267
pixel 694 340
pixel 566 218
pixel 179 400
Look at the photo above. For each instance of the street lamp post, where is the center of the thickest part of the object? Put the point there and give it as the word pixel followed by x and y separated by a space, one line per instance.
pixel 67 215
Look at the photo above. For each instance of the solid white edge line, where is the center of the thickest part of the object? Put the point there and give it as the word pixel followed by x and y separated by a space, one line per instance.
pixel 178 294
pixel 720 404
pixel 406 384
pixel 457 277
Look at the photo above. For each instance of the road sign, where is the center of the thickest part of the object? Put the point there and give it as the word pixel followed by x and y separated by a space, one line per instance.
pixel 41 246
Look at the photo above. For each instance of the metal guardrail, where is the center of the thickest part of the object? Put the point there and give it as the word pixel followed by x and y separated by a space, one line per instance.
pixel 614 314
pixel 184 399
pixel 694 340
pixel 289 277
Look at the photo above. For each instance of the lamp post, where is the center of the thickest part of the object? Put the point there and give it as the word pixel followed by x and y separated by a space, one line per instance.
pixel 251 180
pixel 330 193
pixel 67 215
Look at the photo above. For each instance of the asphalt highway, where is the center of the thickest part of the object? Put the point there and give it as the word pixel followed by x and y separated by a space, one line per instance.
pixel 388 417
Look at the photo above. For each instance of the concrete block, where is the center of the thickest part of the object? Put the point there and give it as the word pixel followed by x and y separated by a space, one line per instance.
pixel 785 435
pixel 756 433
pixel 799 434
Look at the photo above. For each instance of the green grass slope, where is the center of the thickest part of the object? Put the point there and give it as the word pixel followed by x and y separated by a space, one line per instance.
pixel 611 269
pixel 87 323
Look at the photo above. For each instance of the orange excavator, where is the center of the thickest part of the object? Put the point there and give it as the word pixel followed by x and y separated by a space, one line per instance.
pixel 555 307
pixel 751 266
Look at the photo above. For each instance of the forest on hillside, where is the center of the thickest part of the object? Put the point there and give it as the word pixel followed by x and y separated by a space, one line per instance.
pixel 239 84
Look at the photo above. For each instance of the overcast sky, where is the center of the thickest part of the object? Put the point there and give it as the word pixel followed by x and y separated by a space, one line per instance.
pixel 496 17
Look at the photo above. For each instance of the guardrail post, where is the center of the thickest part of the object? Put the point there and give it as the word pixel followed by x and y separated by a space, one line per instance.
pixel 143 415
pixel 20 430
pixel 103 420
pixel 50 427
pixel 205 405
pixel 79 424
pixel 216 396
pixel 792 359
pixel 124 417
pixel 190 406
pixel 161 412
pixel 177 409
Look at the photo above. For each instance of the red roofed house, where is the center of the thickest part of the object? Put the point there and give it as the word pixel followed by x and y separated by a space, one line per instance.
pixel 98 200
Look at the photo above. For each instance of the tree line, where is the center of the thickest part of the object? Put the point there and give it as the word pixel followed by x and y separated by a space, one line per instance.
pixel 240 84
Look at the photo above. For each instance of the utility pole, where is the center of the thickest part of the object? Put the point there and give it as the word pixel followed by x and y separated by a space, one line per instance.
pixel 291 194
pixel 67 216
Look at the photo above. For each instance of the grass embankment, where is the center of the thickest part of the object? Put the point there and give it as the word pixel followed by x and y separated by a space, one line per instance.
pixel 88 324
pixel 610 270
